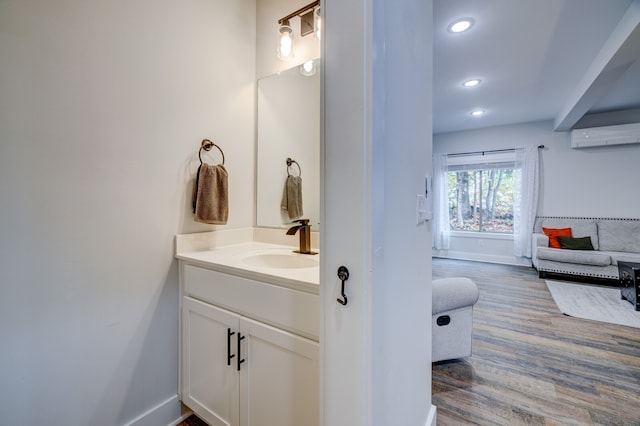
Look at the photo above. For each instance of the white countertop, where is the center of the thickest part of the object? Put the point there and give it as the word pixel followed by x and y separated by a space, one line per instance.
pixel 227 252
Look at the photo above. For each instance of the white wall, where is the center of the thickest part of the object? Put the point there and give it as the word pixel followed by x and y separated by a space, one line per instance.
pixel 593 182
pixel 102 108
pixel 402 76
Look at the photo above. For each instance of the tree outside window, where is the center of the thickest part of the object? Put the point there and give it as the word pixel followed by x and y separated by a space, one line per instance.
pixel 481 199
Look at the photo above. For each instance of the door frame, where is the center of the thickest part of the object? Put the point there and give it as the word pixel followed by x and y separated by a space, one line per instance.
pixel 375 153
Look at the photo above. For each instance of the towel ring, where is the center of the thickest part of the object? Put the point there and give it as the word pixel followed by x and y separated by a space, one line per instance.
pixel 207 145
pixel 289 163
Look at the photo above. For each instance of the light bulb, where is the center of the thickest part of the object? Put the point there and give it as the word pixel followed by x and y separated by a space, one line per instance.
pixel 308 68
pixel 471 83
pixel 460 25
pixel 318 22
pixel 285 45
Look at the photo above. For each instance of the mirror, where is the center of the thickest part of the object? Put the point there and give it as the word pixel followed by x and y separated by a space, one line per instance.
pixel 288 127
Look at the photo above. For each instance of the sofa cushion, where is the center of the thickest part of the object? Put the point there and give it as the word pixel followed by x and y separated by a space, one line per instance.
pixel 583 243
pixel 554 233
pixel 583 257
pixel 619 236
pixel 579 228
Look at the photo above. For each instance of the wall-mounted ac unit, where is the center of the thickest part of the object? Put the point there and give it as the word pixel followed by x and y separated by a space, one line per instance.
pixel 607 135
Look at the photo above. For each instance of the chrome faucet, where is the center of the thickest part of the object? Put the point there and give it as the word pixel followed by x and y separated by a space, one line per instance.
pixel 305 236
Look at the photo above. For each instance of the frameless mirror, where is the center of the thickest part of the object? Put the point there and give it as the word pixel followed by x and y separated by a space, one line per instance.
pixel 288 127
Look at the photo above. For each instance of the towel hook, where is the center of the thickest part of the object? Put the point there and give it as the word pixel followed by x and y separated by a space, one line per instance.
pixel 343 275
pixel 289 163
pixel 207 145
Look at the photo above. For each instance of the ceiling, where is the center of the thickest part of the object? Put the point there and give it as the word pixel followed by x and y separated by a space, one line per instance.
pixel 538 60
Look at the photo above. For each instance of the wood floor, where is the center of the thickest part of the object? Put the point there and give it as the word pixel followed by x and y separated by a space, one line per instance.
pixel 192 420
pixel 532 365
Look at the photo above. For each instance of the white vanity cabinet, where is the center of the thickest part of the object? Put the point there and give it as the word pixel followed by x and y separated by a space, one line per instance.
pixel 249 350
pixel 210 387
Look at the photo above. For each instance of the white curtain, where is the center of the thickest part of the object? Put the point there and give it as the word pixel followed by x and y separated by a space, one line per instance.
pixel 525 199
pixel 441 226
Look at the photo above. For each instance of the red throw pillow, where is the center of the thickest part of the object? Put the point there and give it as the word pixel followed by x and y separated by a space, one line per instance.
pixel 554 233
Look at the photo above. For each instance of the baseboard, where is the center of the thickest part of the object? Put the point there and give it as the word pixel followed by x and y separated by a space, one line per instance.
pixel 182 418
pixel 479 257
pixel 431 418
pixel 170 413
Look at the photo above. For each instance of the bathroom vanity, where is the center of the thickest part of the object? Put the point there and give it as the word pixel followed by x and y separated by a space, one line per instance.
pixel 249 328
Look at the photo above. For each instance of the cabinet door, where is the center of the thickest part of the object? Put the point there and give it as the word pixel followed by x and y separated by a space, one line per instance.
pixel 209 385
pixel 279 380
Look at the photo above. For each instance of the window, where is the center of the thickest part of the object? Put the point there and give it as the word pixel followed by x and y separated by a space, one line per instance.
pixel 481 193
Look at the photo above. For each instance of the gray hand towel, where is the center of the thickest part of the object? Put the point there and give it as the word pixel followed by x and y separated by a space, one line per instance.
pixel 292 196
pixel 211 195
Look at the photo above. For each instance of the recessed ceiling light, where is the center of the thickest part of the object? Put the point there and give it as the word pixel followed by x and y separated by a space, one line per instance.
pixel 471 83
pixel 460 25
pixel 478 112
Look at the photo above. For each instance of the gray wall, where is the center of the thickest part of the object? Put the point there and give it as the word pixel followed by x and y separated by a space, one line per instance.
pixel 102 108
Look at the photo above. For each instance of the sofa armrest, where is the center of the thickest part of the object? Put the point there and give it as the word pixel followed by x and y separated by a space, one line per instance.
pixel 538 240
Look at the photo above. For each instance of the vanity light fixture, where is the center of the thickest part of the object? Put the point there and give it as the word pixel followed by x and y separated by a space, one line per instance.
pixel 285 41
pixel 478 112
pixel 460 25
pixel 471 83
pixel 308 25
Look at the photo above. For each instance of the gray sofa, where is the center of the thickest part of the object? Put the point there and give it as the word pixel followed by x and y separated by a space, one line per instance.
pixel 613 240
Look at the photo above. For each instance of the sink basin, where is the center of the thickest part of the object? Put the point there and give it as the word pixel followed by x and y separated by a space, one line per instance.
pixel 281 260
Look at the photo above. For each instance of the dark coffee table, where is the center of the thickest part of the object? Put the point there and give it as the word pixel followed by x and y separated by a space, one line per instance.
pixel 629 273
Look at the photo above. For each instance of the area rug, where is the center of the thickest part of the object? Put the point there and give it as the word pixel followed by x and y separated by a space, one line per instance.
pixel 594 303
